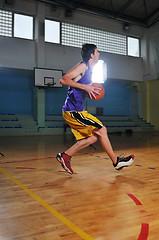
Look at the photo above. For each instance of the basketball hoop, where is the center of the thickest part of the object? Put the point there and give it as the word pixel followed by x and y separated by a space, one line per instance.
pixel 50 84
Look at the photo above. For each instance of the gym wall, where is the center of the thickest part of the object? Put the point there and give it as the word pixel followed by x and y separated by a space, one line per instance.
pixel 19 57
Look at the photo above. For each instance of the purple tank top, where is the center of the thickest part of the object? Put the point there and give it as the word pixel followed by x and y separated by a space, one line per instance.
pixel 75 96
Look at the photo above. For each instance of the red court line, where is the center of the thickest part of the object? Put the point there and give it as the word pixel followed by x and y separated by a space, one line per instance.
pixel 27 160
pixel 34 159
pixel 144 231
pixel 134 199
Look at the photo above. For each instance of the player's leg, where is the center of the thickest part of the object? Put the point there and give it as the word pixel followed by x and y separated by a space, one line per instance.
pixel 104 140
pixel 65 157
pixel 84 124
pixel 79 145
pixel 118 162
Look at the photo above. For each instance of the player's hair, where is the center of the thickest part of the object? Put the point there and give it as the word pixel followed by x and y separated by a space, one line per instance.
pixel 87 50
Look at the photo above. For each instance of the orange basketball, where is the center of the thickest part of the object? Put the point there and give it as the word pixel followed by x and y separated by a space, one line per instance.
pixel 101 91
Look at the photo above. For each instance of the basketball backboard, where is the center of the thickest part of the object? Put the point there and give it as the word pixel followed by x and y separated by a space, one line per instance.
pixel 47 77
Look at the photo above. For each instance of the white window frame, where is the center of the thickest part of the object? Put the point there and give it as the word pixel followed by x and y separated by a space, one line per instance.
pixel 130 53
pixel 50 38
pixel 19 34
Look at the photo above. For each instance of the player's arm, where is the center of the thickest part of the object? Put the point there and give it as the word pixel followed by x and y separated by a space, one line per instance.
pixel 70 79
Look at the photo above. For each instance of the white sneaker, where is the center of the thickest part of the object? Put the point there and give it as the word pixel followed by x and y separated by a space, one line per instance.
pixel 124 162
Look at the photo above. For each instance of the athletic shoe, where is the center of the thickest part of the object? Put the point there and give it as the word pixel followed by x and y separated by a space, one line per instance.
pixel 65 160
pixel 124 162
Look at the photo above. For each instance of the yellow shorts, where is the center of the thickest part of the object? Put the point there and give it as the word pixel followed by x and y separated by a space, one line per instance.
pixel 82 123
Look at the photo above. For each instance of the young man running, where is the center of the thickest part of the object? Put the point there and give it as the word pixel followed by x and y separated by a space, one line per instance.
pixel 86 128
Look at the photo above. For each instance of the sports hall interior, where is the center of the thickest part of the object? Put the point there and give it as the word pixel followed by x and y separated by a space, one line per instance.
pixel 38 199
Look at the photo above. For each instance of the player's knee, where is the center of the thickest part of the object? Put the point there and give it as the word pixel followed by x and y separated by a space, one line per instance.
pixel 103 130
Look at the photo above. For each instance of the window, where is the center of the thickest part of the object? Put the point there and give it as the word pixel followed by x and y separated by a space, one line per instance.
pixel 5 23
pixel 68 34
pixel 23 26
pixel 74 35
pixel 52 31
pixel 133 47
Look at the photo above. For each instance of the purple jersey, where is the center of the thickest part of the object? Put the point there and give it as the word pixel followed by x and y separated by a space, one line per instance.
pixel 76 96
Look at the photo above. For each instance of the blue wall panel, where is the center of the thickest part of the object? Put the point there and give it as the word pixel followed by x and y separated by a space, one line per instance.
pixel 54 100
pixel 16 91
pixel 16 95
pixel 116 100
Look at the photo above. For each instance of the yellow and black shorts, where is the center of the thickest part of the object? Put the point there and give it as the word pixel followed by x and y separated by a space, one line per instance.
pixel 82 123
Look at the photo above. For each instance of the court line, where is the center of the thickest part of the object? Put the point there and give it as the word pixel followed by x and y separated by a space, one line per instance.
pixel 144 231
pixel 137 202
pixel 35 159
pixel 137 165
pixel 27 160
pixel 58 215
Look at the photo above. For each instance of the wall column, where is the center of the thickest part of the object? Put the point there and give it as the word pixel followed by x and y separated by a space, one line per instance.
pixel 39 106
pixel 39 93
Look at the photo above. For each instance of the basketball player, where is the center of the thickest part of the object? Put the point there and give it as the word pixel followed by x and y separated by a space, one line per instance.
pixel 86 128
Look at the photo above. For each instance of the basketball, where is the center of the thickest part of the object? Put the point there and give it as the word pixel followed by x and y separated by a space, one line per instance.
pixel 101 91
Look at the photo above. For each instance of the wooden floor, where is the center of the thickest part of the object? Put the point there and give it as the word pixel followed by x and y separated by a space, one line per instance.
pixel 38 201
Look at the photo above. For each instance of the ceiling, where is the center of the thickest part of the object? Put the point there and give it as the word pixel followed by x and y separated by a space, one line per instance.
pixel 144 13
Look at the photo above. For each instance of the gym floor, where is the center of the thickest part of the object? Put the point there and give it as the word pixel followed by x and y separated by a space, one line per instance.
pixel 39 201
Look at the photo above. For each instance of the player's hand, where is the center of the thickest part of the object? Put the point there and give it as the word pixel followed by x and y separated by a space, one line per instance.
pixel 92 91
